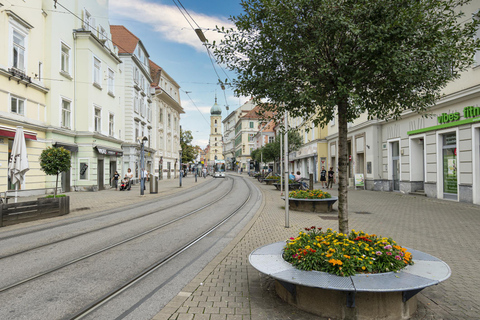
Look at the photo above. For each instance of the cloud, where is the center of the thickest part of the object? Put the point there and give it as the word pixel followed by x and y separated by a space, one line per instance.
pixel 169 22
pixel 188 105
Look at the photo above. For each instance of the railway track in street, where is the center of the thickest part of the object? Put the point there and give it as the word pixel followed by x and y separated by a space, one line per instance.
pixel 142 264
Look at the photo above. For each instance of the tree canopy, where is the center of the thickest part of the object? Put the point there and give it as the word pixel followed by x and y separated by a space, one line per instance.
pixel 54 161
pixel 323 58
pixel 188 151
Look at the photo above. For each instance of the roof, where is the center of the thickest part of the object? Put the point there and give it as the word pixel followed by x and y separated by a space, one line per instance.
pixel 155 73
pixel 124 39
pixel 256 113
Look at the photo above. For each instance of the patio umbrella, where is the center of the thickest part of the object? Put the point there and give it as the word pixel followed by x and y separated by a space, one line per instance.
pixel 18 164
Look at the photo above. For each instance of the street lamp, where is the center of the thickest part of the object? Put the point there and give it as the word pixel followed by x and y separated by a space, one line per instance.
pixel 181 169
pixel 142 164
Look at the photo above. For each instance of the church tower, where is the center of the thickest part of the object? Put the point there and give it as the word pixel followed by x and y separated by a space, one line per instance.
pixel 216 140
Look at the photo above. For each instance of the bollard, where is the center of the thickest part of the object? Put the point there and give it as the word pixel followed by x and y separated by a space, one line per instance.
pixel 311 182
pixel 153 184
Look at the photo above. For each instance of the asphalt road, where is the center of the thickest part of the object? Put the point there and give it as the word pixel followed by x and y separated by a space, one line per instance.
pixel 60 294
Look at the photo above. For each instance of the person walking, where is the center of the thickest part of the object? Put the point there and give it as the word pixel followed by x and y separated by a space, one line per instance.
pixel 204 173
pixel 115 179
pixel 331 178
pixel 130 178
pixel 323 177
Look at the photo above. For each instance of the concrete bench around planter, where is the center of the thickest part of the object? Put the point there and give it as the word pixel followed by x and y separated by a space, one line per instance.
pixel 291 186
pixel 311 205
pixel 364 296
pixel 270 181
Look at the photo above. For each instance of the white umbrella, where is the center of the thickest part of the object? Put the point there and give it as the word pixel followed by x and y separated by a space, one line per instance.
pixel 18 164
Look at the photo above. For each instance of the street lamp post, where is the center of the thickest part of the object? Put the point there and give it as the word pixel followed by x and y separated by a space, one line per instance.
pixel 142 165
pixel 181 169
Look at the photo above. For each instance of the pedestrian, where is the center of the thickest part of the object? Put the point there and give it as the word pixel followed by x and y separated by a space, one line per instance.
pixel 291 176
pixel 323 177
pixel 144 176
pixel 204 173
pixel 130 178
pixel 115 179
pixel 331 178
pixel 298 177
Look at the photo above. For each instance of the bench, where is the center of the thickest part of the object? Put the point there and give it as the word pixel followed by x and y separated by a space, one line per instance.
pixel 367 296
pixel 291 186
pixel 12 194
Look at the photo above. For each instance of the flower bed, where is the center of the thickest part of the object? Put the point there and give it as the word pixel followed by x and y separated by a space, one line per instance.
pixel 345 255
pixel 309 194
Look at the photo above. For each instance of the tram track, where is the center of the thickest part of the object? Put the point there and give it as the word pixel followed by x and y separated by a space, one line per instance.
pixel 145 214
pixel 129 239
pixel 71 220
pixel 87 310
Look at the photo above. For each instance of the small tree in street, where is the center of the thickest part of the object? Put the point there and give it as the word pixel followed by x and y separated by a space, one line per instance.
pixel 324 58
pixel 188 151
pixel 54 161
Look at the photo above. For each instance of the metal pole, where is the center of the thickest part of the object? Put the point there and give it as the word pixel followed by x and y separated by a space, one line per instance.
pixel 142 181
pixel 181 169
pixel 287 220
pixel 281 168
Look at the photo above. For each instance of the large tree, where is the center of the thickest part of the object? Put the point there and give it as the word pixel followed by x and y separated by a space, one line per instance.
pixel 347 57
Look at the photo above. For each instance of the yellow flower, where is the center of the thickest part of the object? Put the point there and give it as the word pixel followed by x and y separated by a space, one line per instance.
pixel 363 268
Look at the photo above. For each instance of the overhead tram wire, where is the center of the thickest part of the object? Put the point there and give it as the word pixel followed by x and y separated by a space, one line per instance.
pixel 199 34
pixel 187 93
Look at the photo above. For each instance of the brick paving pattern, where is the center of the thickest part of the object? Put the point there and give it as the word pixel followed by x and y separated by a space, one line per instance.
pixel 229 288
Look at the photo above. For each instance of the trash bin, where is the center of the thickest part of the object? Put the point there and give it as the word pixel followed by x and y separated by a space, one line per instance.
pixel 153 184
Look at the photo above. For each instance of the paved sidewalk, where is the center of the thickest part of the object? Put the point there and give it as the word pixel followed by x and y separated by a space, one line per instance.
pixel 230 289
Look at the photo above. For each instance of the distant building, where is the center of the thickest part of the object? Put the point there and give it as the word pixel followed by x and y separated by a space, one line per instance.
pixel 216 141
pixel 229 124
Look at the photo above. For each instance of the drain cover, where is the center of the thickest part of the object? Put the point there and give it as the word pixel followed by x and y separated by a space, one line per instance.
pixel 363 212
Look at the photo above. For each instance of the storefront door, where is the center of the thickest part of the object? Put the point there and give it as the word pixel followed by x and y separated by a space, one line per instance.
pixel 450 166
pixel 396 165
pixel 100 173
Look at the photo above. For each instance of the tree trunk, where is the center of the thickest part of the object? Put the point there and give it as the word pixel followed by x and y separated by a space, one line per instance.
pixel 342 167
pixel 56 186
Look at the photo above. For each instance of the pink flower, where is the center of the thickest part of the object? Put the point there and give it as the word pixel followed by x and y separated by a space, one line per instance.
pixel 387 247
pixel 398 258
pixel 378 253
pixel 389 253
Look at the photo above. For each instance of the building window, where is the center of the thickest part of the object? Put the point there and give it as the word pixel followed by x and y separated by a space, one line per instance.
pixel 251 124
pixel 169 121
pixel 215 130
pixel 87 20
pixel 98 119
pixel 19 48
pixel 18 105
pixel 111 125
pixel 136 102
pixel 135 75
pixel 160 115
pixel 270 139
pixel 65 63
pixel 66 112
pixel 149 112
pixel 111 81
pixel 137 130
pixel 97 65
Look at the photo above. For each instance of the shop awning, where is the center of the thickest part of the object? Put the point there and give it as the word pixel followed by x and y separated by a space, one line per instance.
pixel 109 151
pixel 67 146
pixel 10 132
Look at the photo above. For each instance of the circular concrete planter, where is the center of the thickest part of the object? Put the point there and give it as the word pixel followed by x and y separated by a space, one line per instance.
pixel 386 296
pixel 311 205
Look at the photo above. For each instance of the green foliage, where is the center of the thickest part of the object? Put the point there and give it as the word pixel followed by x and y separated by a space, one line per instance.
pixel 345 255
pixel 271 151
pixel 309 194
pixel 55 196
pixel 380 57
pixel 188 151
pixel 319 58
pixel 55 160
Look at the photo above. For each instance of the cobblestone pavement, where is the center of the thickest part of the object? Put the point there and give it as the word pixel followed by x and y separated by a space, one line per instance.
pixel 230 289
